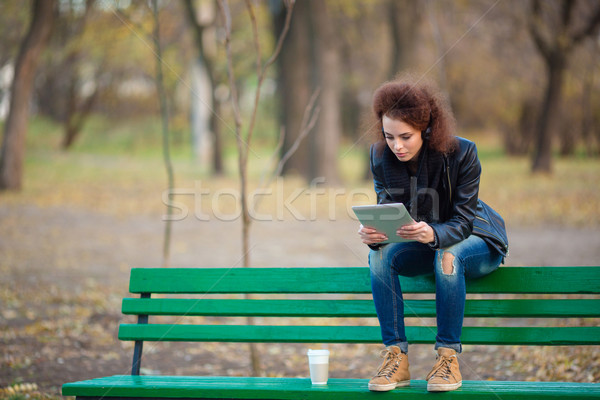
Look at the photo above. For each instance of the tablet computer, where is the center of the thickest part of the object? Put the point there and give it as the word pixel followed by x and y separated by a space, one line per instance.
pixel 385 218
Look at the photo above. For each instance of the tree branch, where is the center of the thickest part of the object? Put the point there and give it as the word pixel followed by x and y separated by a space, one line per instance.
pixel 591 28
pixel 533 25
pixel 162 97
pixel 197 28
pixel 274 156
pixel 289 5
pixel 242 151
pixel 309 119
pixel 254 25
pixel 224 8
pixel 261 72
pixel 567 12
pixel 311 114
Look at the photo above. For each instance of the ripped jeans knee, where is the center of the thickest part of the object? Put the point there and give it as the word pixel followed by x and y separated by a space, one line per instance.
pixel 448 263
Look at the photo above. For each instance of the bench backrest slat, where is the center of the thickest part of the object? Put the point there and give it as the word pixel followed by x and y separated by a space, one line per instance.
pixel 355 334
pixel 558 280
pixel 521 308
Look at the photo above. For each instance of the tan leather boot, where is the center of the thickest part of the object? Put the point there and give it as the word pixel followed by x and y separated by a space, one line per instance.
pixel 445 374
pixel 393 372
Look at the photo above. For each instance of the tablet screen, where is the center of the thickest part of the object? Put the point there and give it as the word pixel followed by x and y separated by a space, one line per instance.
pixel 385 218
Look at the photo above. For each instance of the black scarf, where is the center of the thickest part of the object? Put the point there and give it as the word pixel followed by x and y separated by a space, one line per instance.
pixel 416 191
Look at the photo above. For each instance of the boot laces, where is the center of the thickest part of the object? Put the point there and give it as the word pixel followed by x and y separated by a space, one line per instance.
pixel 442 370
pixel 390 363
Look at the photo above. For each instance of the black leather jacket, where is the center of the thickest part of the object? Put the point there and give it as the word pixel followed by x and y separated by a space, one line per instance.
pixel 459 206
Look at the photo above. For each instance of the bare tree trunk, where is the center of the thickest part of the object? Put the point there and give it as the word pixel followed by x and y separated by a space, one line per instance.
pixel 542 159
pixel 404 19
pixel 568 135
pixel 76 109
pixel 164 112
pixel 519 141
pixel 440 47
pixel 208 62
pixel 76 115
pixel 294 81
pixel 587 123
pixel 13 145
pixel 330 122
pixel 556 42
pixel 201 108
pixel 215 128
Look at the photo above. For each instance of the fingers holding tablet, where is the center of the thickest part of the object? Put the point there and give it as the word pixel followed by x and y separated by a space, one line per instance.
pixel 370 235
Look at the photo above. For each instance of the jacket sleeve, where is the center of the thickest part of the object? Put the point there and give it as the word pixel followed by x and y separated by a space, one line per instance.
pixel 378 182
pixel 463 199
pixel 382 193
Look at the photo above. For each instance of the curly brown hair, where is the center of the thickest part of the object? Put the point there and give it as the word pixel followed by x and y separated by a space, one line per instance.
pixel 418 103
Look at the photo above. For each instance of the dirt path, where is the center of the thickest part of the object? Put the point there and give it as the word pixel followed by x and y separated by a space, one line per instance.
pixel 64 271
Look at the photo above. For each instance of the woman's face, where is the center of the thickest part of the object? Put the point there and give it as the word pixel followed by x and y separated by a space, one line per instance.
pixel 404 140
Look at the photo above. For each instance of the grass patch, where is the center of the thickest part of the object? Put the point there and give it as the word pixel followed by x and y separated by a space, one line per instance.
pixel 570 196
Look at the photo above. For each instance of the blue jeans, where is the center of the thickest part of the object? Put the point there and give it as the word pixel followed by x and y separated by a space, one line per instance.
pixel 473 258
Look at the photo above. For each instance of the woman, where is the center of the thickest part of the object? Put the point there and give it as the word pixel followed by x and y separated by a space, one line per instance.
pixel 419 162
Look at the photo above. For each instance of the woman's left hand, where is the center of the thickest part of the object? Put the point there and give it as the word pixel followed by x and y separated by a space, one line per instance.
pixel 419 231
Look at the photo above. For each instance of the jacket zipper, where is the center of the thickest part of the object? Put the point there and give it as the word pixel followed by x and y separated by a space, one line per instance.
pixel 449 183
pixel 488 232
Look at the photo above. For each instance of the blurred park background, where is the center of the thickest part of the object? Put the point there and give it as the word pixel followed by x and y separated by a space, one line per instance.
pixel 97 143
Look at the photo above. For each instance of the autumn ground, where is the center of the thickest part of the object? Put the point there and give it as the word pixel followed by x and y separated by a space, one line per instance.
pixel 68 240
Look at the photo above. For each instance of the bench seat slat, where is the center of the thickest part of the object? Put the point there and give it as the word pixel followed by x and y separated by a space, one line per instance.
pixel 353 280
pixel 126 386
pixel 355 334
pixel 552 308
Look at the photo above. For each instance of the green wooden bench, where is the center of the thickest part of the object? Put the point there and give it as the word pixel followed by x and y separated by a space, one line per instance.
pixel 318 281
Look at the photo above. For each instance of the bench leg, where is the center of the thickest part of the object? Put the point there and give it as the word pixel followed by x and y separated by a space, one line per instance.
pixel 139 344
pixel 137 357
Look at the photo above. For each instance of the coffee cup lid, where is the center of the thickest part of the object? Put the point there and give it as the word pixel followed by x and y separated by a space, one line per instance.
pixel 323 352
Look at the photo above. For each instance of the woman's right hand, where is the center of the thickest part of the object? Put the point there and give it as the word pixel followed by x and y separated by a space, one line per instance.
pixel 370 235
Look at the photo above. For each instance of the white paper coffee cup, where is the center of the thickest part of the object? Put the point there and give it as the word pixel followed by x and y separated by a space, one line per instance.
pixel 318 363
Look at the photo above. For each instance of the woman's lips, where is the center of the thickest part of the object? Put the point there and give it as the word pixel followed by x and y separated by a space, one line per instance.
pixel 399 155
